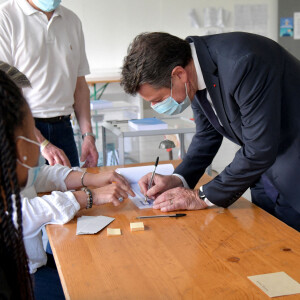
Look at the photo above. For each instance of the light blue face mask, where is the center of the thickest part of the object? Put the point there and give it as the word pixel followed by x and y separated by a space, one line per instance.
pixel 46 5
pixel 32 171
pixel 170 106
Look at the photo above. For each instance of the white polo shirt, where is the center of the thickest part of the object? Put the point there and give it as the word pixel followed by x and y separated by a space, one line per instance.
pixel 50 53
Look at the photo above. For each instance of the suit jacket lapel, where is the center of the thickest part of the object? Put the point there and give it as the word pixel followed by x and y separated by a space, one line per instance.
pixel 210 75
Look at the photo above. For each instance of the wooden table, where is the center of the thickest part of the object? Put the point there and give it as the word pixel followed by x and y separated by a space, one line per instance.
pixel 104 78
pixel 206 255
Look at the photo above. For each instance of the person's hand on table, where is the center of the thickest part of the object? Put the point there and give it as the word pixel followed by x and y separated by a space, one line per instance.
pixel 89 153
pixel 112 193
pixel 179 199
pixel 108 177
pixel 160 184
pixel 55 155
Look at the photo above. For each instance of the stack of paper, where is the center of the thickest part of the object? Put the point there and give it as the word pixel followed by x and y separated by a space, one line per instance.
pixel 100 104
pixel 148 124
pixel 134 174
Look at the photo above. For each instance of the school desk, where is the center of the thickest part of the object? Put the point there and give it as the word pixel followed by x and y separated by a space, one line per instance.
pixel 207 254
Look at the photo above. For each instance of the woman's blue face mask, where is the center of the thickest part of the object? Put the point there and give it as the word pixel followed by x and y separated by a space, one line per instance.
pixel 170 106
pixel 32 171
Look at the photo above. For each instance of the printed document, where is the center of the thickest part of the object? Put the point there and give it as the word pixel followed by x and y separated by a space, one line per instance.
pixel 134 174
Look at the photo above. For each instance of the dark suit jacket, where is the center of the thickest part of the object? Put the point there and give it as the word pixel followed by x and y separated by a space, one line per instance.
pixel 254 85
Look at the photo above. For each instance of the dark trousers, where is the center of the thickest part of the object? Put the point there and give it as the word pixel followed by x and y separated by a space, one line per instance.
pixel 61 135
pixel 46 282
pixel 266 197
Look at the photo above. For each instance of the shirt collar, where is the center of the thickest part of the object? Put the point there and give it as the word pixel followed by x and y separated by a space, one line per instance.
pixel 29 10
pixel 200 79
pixel 26 7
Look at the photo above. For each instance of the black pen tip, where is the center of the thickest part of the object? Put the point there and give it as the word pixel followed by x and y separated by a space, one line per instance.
pixel 157 159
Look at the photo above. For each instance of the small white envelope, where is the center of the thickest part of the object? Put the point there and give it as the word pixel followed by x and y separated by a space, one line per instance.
pixel 92 224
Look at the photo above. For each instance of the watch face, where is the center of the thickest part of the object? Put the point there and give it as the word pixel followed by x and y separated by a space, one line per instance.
pixel 201 195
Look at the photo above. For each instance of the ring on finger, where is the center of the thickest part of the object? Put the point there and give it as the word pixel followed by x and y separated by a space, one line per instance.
pixel 120 199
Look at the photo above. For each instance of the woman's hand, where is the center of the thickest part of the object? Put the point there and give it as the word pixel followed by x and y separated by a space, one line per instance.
pixel 104 178
pixel 112 193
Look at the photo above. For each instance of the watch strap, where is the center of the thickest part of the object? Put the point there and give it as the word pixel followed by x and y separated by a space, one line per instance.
pixel 88 134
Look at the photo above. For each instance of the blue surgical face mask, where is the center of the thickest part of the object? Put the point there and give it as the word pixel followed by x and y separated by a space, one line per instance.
pixel 170 106
pixel 46 5
pixel 32 171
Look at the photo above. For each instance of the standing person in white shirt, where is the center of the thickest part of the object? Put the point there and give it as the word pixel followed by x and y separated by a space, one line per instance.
pixel 45 41
pixel 22 176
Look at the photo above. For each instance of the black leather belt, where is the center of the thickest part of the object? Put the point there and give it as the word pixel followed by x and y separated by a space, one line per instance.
pixel 54 119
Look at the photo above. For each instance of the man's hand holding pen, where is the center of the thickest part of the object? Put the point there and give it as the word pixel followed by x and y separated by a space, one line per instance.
pixel 169 193
pixel 160 184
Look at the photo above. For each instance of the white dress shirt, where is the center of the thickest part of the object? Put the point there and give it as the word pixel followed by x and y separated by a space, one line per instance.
pixel 57 208
pixel 201 86
pixel 201 83
pixel 50 53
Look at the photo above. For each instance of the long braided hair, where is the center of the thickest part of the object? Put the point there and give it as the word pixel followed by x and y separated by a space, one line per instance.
pixel 13 258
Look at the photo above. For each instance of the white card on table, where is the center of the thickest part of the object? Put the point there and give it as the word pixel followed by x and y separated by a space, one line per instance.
pixel 92 224
pixel 276 284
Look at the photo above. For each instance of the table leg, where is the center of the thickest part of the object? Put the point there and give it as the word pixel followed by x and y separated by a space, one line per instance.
pixel 182 148
pixel 121 150
pixel 104 146
pixel 95 91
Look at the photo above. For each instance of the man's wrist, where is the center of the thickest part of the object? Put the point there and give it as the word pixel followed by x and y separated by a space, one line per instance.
pixel 86 134
pixel 183 181
pixel 178 180
pixel 203 198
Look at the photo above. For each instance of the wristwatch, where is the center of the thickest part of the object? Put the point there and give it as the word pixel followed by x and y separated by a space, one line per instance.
pixel 201 194
pixel 88 134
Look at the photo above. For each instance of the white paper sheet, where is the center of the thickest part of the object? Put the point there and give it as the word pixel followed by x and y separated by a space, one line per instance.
pixel 276 284
pixel 92 224
pixel 134 174
pixel 297 25
pixel 251 18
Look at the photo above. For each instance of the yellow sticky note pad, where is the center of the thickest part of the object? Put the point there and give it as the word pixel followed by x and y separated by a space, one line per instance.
pixel 137 226
pixel 113 231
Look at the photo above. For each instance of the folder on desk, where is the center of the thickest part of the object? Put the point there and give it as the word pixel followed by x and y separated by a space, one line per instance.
pixel 134 174
pixel 148 124
pixel 100 104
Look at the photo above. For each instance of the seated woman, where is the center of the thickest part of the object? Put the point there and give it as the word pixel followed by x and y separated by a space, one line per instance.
pixel 23 175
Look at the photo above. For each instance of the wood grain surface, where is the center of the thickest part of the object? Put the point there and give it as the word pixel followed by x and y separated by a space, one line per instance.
pixel 207 254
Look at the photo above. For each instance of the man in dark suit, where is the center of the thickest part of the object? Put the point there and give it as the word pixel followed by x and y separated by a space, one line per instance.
pixel 244 87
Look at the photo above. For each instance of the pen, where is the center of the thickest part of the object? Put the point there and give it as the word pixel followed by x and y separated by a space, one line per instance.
pixel 151 180
pixel 161 216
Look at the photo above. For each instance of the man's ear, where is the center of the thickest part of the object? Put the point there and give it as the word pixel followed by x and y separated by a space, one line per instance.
pixel 179 73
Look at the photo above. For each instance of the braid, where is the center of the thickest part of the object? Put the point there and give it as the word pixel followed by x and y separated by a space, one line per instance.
pixel 12 250
pixel 15 75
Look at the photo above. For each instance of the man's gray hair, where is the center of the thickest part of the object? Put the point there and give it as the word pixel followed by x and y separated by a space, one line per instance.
pixel 14 74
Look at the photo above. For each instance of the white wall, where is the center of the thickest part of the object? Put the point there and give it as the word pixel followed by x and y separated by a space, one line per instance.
pixel 110 26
